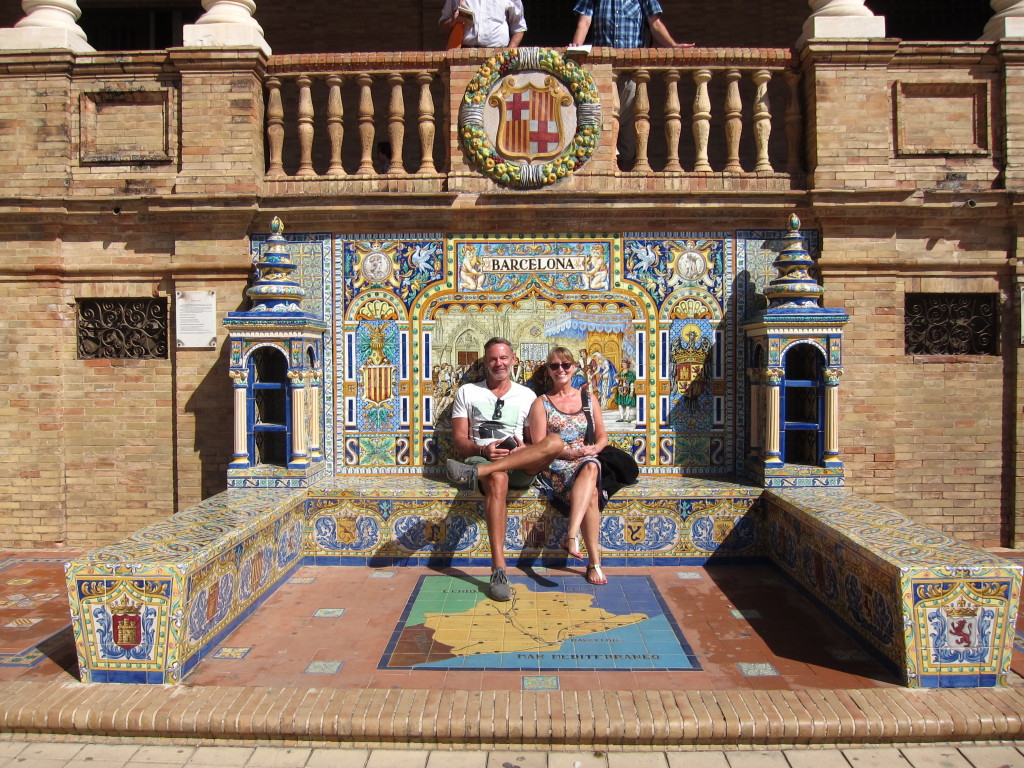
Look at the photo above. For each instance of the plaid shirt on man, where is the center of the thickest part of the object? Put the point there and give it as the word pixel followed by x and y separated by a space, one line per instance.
pixel 619 23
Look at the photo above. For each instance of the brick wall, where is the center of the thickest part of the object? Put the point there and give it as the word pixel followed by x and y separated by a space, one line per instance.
pixel 32 463
pixel 919 433
pixel 91 451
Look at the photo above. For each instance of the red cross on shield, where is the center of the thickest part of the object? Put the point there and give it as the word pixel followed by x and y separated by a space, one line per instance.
pixel 530 121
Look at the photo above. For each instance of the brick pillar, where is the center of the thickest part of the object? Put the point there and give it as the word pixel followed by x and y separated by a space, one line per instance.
pixel 1012 56
pixel 848 90
pixel 222 119
pixel 36 136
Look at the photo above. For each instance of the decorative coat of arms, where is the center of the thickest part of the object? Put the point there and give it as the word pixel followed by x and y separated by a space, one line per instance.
pixel 530 117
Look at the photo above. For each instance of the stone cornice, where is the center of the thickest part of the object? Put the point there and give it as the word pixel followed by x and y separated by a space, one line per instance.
pixel 849 52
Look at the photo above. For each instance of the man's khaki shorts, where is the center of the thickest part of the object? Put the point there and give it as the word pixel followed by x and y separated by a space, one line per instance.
pixel 516 478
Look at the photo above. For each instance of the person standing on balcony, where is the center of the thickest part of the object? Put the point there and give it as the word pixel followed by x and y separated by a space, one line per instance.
pixel 488 422
pixel 623 24
pixel 487 23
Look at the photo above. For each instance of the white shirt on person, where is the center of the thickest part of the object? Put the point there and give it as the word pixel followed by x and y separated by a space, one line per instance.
pixel 477 403
pixel 494 21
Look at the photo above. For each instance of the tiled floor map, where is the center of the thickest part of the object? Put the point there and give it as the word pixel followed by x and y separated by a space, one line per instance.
pixel 560 624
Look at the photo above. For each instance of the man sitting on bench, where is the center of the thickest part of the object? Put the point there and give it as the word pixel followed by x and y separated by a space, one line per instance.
pixel 488 419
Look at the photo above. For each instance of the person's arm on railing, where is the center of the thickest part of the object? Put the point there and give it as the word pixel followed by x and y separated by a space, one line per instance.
pixel 582 27
pixel 661 34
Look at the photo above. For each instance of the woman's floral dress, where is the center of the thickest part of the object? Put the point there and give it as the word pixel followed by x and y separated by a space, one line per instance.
pixel 557 479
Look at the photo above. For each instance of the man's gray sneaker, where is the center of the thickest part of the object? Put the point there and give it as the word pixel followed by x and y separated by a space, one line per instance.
pixel 499 588
pixel 462 475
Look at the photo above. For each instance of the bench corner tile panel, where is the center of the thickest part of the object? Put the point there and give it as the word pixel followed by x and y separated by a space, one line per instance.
pixel 148 608
pixel 941 612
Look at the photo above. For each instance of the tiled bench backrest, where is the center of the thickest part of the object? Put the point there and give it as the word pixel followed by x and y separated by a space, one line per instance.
pixel 941 611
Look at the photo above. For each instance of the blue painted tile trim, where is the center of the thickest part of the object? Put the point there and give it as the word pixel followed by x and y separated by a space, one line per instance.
pixel 958 681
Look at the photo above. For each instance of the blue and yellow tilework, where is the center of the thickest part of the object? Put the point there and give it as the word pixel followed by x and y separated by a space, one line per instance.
pixel 941 612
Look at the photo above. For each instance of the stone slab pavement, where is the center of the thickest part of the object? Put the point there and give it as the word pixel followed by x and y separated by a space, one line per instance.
pixel 52 753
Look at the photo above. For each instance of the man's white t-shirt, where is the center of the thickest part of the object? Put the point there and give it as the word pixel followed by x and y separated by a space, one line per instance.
pixel 477 403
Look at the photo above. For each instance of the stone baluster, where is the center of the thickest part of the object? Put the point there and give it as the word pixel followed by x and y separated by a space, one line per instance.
pixel 275 127
pixel 841 19
pixel 335 124
pixel 642 119
pixel 794 121
pixel 226 24
pixel 702 120
pixel 762 120
pixel 1008 20
pixel 396 121
pixel 426 123
pixel 47 24
pixel 673 120
pixel 366 129
pixel 733 121
pixel 305 126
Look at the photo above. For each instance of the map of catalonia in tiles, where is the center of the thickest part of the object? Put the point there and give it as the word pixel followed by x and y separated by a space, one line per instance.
pixel 555 623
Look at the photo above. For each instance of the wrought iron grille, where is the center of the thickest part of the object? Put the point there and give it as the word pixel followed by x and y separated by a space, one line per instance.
pixel 134 329
pixel 951 324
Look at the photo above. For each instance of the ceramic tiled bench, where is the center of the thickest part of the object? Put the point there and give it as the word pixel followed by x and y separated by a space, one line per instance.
pixel 940 611
pixel 150 607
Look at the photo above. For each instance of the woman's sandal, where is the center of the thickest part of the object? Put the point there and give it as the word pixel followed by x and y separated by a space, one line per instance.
pixel 574 550
pixel 595 575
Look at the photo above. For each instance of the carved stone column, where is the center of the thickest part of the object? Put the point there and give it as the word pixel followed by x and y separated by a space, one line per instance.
pixel 240 458
pixel 841 19
pixel 226 24
pixel 313 402
pixel 832 415
pixel 1007 22
pixel 300 457
pixel 772 413
pixel 47 24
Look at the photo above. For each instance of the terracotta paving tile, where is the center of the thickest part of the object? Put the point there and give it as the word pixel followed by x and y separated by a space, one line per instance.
pixel 815 696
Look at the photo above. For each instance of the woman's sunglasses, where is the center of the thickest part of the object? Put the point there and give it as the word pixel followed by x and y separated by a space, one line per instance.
pixel 563 366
